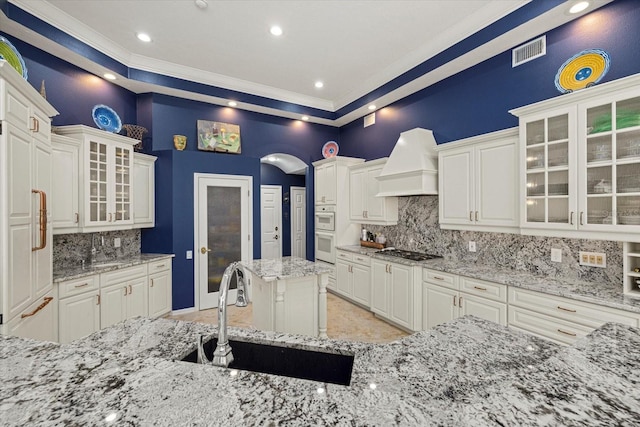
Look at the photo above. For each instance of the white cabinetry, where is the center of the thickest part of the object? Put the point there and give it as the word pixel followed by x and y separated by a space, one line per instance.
pixel 395 293
pixel 560 319
pixel 478 182
pixel 448 296
pixel 353 273
pixel 159 287
pixel 580 163
pixel 65 206
pixel 326 183
pixel 143 190
pixel 364 206
pixel 26 285
pixel 79 308
pixel 123 295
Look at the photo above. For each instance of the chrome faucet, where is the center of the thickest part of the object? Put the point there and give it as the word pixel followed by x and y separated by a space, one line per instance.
pixel 223 356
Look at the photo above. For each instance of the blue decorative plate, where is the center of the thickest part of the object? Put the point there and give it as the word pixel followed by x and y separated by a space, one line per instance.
pixel 330 149
pixel 582 70
pixel 106 119
pixel 9 53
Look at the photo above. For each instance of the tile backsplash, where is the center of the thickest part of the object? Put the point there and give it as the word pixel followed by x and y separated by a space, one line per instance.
pixel 418 230
pixel 70 249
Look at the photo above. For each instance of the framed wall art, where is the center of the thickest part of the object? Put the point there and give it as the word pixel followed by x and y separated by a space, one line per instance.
pixel 220 137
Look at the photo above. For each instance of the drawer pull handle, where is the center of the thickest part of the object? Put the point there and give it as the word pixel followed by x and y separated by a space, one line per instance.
pixel 438 278
pixel 98 302
pixel 470 215
pixel 566 333
pixel 160 266
pixel 125 291
pixel 130 290
pixel 152 283
pixel 82 285
pixel 566 309
pixel 77 218
pixel 47 300
pixel 454 300
pixel 460 302
pixel 479 288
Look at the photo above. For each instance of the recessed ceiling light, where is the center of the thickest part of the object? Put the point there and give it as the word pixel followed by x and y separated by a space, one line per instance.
pixel 201 4
pixel 579 7
pixel 144 37
pixel 319 84
pixel 232 103
pixel 109 76
pixel 305 118
pixel 276 30
pixel 372 107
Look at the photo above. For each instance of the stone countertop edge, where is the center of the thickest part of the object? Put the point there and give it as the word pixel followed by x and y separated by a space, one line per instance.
pixel 605 294
pixel 69 273
pixel 467 372
pixel 270 270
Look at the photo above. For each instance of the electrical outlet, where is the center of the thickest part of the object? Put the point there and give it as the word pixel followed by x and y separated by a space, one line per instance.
pixel 189 254
pixel 556 255
pixel 116 242
pixel 472 246
pixel 593 259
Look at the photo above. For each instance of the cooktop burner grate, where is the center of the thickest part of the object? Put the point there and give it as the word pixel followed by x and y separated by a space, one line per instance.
pixel 410 255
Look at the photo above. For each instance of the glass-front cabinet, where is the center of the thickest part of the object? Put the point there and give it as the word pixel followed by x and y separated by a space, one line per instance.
pixel 580 162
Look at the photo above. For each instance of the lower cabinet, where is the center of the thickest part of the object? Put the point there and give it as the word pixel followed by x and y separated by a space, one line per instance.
pixel 38 321
pixel 353 277
pixel 396 294
pixel 448 296
pixel 159 287
pixel 123 301
pixel 79 316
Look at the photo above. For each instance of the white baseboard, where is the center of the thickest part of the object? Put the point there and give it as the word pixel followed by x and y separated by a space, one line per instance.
pixel 183 311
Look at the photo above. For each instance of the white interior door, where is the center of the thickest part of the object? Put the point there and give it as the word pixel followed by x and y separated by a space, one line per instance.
pixel 271 221
pixel 223 224
pixel 298 222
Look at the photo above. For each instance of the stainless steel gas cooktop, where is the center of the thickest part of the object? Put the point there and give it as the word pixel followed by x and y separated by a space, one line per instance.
pixel 413 256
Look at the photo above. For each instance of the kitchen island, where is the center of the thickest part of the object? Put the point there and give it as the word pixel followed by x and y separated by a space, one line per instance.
pixel 289 295
pixel 468 372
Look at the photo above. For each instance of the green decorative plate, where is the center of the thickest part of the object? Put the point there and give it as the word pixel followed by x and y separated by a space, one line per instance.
pixel 10 54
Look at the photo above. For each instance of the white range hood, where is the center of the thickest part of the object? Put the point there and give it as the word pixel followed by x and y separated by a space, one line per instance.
pixel 412 168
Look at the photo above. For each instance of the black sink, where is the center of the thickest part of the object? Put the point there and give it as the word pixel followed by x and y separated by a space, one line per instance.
pixel 285 361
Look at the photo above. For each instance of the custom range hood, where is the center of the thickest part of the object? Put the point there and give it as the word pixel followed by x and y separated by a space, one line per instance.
pixel 412 168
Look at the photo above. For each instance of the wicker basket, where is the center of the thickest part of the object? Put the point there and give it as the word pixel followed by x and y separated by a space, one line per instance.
pixel 135 132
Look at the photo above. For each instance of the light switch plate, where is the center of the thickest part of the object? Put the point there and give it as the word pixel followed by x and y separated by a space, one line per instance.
pixel 556 255
pixel 116 242
pixel 189 254
pixel 472 246
pixel 593 259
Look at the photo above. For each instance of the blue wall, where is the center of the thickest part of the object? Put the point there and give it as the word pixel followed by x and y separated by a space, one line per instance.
pixel 477 100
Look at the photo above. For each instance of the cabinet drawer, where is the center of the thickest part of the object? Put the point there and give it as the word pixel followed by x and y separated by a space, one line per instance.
pixel 584 313
pixel 122 275
pixel 558 330
pixel 440 278
pixel 161 265
pixel 78 286
pixel 484 289
pixel 362 259
pixel 346 256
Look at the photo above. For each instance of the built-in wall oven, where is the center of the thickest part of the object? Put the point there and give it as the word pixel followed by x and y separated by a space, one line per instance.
pixel 325 218
pixel 325 246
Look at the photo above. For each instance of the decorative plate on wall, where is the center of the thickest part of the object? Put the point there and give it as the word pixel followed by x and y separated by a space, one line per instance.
pixel 106 119
pixel 330 149
pixel 10 54
pixel 582 70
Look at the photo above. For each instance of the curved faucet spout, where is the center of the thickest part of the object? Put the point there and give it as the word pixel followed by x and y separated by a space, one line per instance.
pixel 223 356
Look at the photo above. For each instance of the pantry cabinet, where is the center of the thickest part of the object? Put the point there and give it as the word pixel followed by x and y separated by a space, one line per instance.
pixel 580 163
pixel 26 282
pixel 159 287
pixel 353 277
pixel 478 183
pixel 364 206
pixel 395 294
pixel 144 190
pixel 65 185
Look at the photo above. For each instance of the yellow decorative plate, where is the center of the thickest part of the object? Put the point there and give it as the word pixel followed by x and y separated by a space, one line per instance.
pixel 582 70
pixel 10 54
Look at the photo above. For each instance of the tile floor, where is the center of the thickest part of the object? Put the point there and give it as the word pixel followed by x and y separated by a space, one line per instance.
pixel 345 321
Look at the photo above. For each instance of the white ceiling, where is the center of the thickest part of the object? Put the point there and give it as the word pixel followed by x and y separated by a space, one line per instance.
pixel 353 46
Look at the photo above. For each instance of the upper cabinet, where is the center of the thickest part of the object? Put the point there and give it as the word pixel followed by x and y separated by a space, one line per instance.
pixel 364 206
pixel 580 162
pixel 326 184
pixel 478 182
pixel 106 183
pixel 65 203
pixel 143 190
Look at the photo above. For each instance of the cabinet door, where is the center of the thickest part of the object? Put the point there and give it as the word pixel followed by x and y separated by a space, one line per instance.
pixel 159 294
pixel 122 208
pixel 42 258
pixel 79 316
pixel 326 184
pixel 40 321
pixel 357 189
pixel 496 182
pixel 379 296
pixel 483 308
pixel 440 305
pixel 455 197
pixel 374 206
pixel 112 305
pixel 144 189
pixel 401 288
pixel 344 283
pixel 137 300
pixel 361 276
pixel 65 183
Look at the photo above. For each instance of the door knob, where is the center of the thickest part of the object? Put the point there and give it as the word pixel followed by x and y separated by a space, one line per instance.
pixel 204 250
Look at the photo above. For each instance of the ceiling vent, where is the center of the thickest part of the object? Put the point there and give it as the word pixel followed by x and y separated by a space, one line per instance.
pixel 529 51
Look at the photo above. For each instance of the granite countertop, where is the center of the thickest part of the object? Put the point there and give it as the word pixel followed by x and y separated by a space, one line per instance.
pixel 606 294
pixel 61 274
pixel 284 268
pixel 465 372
